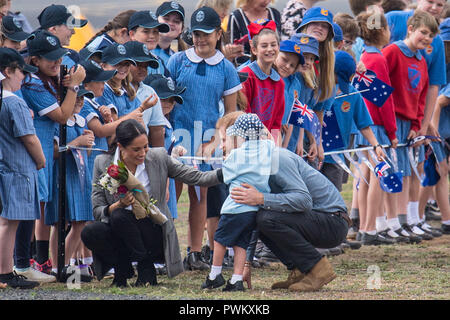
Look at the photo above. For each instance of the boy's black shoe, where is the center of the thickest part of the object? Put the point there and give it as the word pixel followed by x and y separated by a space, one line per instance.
pixel 238 286
pixel 375 240
pixel 212 284
pixel 14 280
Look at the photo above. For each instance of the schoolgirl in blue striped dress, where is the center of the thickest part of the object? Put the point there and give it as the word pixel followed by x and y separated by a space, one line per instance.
pixel 41 93
pixel 208 77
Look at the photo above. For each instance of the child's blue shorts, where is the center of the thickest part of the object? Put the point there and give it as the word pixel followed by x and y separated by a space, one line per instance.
pixel 235 229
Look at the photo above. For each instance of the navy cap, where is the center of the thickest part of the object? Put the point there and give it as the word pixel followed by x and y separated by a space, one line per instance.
pixel 294 47
pixel 344 68
pixel 9 56
pixel 87 52
pixel 140 53
pixel 205 19
pixel 247 126
pixel 115 54
pixel 317 14
pixel 170 6
pixel 148 20
pixel 83 92
pixel 445 29
pixel 165 88
pixel 55 15
pixel 338 34
pixel 307 43
pixel 390 181
pixel 45 44
pixel 12 29
pixel 95 73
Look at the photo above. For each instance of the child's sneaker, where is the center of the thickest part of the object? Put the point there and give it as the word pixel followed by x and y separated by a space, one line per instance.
pixel 212 284
pixel 238 286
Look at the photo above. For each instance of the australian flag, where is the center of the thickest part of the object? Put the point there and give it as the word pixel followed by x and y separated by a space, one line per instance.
pixel 303 117
pixel 378 91
pixel 331 134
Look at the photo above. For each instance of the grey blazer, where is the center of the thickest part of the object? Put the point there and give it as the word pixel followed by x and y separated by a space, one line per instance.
pixel 159 166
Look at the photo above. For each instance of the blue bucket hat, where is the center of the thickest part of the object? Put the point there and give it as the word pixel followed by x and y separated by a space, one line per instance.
pixel 317 14
pixel 307 43
pixel 445 29
pixel 294 47
pixel 338 34
pixel 247 126
pixel 344 68
pixel 390 181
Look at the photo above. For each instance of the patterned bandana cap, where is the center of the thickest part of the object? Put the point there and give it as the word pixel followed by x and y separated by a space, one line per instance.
pixel 247 126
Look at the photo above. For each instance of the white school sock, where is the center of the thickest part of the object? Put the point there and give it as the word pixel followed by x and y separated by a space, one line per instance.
pixel 412 215
pixel 87 260
pixel 372 232
pixel 446 222
pixel 381 224
pixel 235 278
pixel 215 271
pixel 230 252
pixel 394 224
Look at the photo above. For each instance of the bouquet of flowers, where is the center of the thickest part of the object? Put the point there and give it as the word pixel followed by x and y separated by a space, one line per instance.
pixel 119 180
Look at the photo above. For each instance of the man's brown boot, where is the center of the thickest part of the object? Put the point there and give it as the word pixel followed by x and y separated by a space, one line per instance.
pixel 321 274
pixel 294 276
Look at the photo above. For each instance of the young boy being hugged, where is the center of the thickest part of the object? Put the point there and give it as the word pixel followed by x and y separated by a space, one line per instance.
pixel 249 161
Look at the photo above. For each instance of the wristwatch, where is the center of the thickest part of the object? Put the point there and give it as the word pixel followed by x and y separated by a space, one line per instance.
pixel 378 145
pixel 74 89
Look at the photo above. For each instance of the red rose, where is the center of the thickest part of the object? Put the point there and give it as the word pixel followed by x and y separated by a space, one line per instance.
pixel 113 171
pixel 122 189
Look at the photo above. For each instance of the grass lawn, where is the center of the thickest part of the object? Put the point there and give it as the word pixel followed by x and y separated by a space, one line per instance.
pixel 420 271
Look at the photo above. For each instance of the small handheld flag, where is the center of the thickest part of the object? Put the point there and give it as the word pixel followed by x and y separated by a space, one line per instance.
pixel 372 88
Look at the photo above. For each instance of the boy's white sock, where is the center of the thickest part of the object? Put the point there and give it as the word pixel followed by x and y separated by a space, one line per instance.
pixel 87 260
pixel 381 224
pixel 235 278
pixel 215 271
pixel 413 213
pixel 372 232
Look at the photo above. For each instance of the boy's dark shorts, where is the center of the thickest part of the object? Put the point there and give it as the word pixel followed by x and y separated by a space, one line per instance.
pixel 235 229
pixel 334 173
pixel 214 200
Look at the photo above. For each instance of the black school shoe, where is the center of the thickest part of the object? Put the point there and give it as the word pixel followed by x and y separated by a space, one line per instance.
pixel 238 286
pixel 428 229
pixel 445 229
pixel 424 236
pixel 14 280
pixel 212 284
pixel 375 240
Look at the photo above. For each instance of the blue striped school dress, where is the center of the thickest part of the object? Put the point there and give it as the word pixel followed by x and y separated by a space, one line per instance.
pixel 18 174
pixel 207 81
pixel 124 105
pixel 169 143
pixel 42 102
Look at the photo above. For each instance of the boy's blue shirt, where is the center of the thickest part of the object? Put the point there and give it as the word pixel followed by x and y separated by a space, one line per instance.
pixel 292 89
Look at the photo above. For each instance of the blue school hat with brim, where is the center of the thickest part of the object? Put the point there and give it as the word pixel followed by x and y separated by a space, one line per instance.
pixel 57 14
pixel 445 30
pixel 170 6
pixel 9 56
pixel 307 43
pixel 87 52
pixel 338 33
pixel 147 19
pixel 344 68
pixel 294 47
pixel 166 88
pixel 12 29
pixel 115 54
pixel 95 73
pixel 45 44
pixel 205 19
pixel 317 14
pixel 140 53
pixel 83 92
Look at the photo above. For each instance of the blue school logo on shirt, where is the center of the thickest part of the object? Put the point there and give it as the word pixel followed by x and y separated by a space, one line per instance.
pixel 263 103
pixel 414 76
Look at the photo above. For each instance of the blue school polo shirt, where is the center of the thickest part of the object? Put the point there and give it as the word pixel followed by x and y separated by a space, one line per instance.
pixel 349 109
pixel 292 90
pixel 444 119
pixel 434 54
